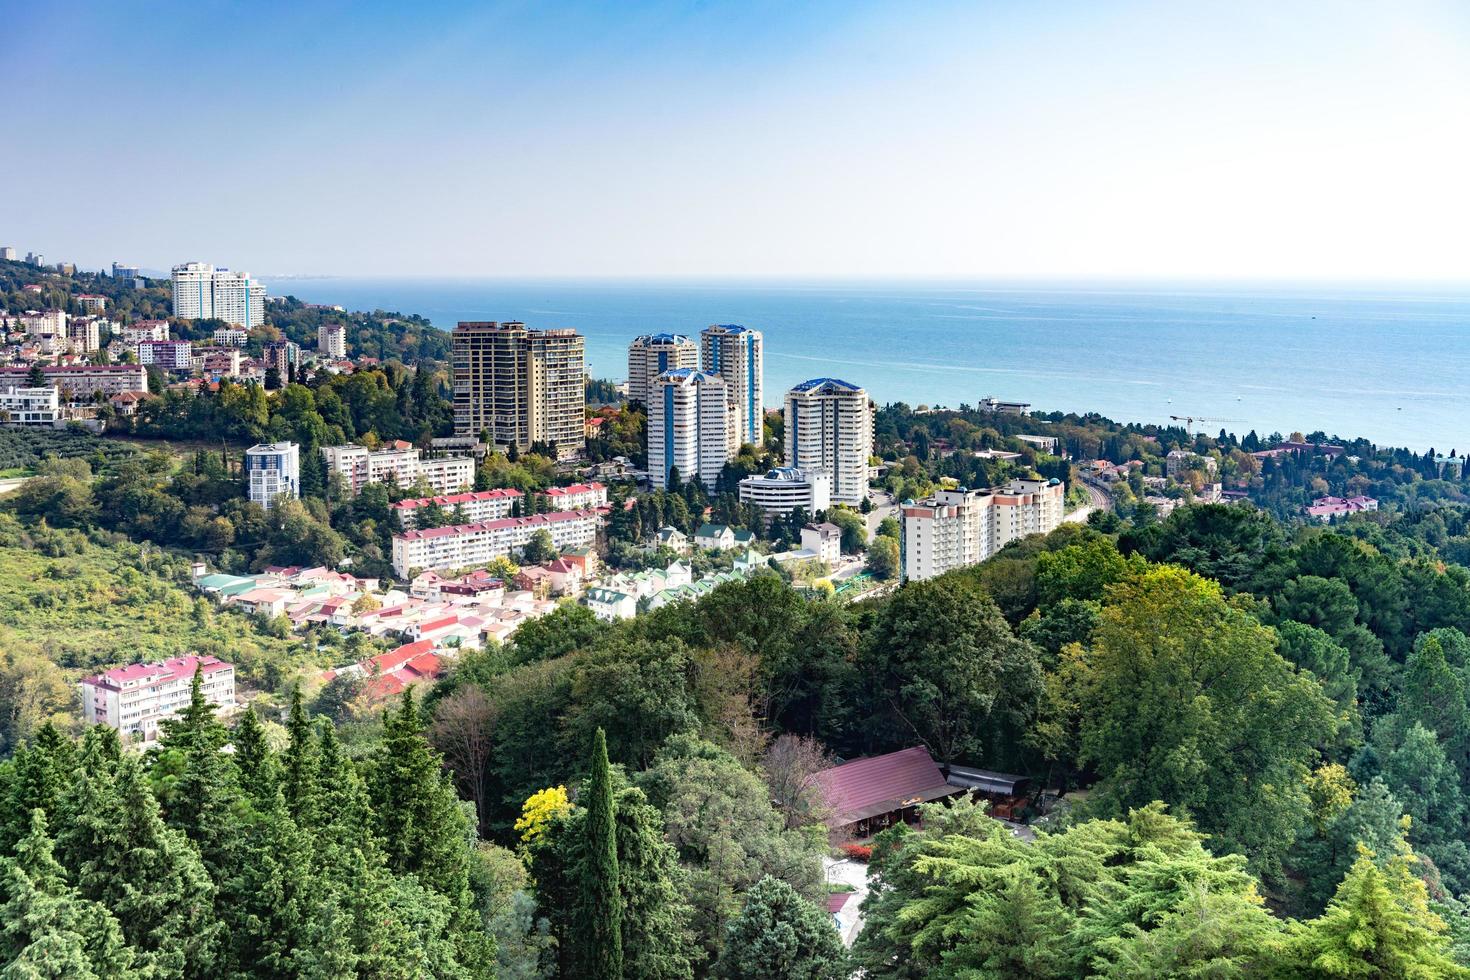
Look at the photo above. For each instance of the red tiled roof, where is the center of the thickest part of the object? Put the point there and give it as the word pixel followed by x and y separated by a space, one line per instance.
pixel 867 787
pixel 456 498
pixel 555 517
pixel 171 669
pixel 574 488
pixel 836 901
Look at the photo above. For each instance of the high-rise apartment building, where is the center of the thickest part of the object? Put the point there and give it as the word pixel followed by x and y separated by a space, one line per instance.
pixel 520 386
pixel 7 252
pixel 120 271
pixel 331 342
pixel 829 426
pixel 273 470
pixel 652 355
pixel 955 528
pixel 202 292
pixel 283 355
pixel 735 354
pixel 691 427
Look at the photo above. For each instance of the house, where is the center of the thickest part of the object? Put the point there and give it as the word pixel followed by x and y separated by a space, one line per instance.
pixel 388 674
pixel 867 795
pixel 719 537
pixel 586 560
pixel 1325 509
pixel 610 605
pixel 825 540
pixel 125 403
pixel 672 537
pixel 566 576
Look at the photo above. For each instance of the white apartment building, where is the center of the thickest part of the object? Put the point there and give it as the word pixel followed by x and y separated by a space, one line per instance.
pixel 217 362
pixel 78 382
pixel 331 342
pixel 136 700
pixel 736 354
pixel 955 528
pixel 30 406
pixel 785 488
pixel 273 470
pixel 691 427
pixel 7 252
pixel 470 545
pixel 653 354
pixel 578 496
pixel 478 506
pixel 231 337
pixel 202 292
pixel 91 302
pixel 167 355
pixel 136 333
pixel 44 323
pixel 402 462
pixel 829 426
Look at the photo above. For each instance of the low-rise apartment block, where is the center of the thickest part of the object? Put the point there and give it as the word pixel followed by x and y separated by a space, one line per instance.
pixel 955 528
pixel 136 333
pixel 82 381
pixel 477 506
pixel 136 700
pixel 166 355
pixel 400 461
pixel 468 545
pixel 579 496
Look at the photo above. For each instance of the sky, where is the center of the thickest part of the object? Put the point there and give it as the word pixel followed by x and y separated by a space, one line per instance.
pixel 1250 139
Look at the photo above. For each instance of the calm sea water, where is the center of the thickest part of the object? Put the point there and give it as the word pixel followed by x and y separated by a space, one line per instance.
pixel 1387 364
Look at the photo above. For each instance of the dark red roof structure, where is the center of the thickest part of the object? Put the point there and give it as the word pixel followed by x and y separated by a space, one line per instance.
pixel 882 784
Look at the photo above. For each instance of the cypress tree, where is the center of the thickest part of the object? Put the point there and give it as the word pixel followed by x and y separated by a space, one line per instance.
pixel 602 901
pixel 203 804
pixel 46 928
pixel 300 765
pixel 267 899
pixel 148 875
pixel 259 770
pixel 37 776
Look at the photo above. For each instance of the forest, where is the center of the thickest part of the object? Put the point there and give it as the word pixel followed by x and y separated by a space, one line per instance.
pixel 1251 739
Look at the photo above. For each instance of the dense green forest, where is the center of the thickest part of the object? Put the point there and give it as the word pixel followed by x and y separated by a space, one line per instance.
pixel 1257 734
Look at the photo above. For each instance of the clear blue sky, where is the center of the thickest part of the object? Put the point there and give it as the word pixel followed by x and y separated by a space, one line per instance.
pixel 1232 139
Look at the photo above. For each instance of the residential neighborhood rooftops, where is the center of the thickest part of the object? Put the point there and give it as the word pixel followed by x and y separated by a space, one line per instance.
pixel 454 499
pixel 555 517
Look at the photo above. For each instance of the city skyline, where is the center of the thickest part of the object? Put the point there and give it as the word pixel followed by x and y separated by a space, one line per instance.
pixel 1128 140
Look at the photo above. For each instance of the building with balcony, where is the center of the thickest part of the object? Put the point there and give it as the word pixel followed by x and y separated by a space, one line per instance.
pixel 955 528
pixel 829 426
pixel 520 386
pixel 136 700
pixel 654 354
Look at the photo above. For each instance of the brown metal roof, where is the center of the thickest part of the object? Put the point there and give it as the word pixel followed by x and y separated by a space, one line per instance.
pixel 868 787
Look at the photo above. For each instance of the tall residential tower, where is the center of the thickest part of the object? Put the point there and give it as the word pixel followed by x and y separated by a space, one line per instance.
pixel 691 427
pixel 829 426
pixel 651 355
pixel 521 386
pixel 202 292
pixel 735 354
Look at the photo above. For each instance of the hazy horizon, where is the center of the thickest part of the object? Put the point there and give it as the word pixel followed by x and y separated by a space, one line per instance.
pixel 1135 141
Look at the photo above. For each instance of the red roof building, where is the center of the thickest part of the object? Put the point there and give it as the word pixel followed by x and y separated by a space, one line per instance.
pixel 866 795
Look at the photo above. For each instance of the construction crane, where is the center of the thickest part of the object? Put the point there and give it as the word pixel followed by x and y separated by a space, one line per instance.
pixel 1189 421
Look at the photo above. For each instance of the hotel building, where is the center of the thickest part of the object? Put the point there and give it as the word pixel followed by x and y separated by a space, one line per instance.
pixel 785 488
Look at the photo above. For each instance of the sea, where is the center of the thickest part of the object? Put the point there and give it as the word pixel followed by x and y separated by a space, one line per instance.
pixel 1386 363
